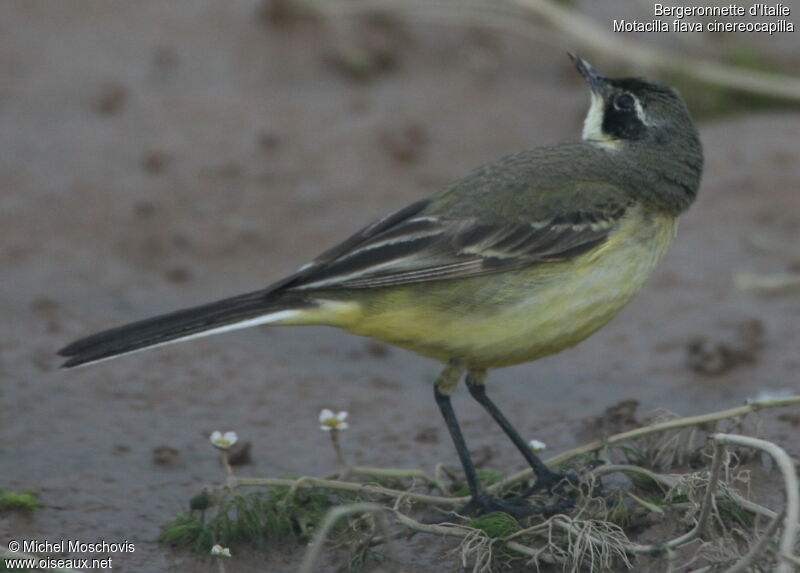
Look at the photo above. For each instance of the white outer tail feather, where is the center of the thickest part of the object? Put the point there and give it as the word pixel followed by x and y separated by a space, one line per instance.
pixel 269 318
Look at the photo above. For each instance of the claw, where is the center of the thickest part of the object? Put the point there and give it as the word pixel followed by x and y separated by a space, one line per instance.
pixel 484 503
pixel 552 482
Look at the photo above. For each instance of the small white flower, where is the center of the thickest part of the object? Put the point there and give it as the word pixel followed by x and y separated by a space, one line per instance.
pixel 329 421
pixel 537 446
pixel 223 441
pixel 220 551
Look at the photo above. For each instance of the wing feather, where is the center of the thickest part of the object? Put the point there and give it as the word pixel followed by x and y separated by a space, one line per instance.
pixel 412 247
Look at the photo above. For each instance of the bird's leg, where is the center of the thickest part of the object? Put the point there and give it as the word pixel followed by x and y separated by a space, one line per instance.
pixel 481 502
pixel 545 477
pixel 442 390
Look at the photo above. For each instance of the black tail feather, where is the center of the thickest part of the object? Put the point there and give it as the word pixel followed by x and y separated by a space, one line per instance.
pixel 170 327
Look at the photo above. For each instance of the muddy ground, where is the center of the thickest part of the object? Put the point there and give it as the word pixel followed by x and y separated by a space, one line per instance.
pixel 158 155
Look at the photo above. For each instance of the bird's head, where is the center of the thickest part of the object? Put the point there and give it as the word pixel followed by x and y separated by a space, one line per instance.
pixel 633 110
pixel 647 126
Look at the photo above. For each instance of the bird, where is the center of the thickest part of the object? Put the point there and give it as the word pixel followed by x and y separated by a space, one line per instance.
pixel 522 258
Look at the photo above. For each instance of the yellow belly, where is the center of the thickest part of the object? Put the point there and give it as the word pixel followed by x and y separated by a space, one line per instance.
pixel 511 317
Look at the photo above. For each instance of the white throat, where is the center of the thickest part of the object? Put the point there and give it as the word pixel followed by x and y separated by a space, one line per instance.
pixel 593 124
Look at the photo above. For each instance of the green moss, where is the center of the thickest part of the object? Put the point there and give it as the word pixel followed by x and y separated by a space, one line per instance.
pixel 734 513
pixel 618 511
pixel 13 501
pixel 496 524
pixel 186 530
pixel 489 477
pixel 364 556
pixel 271 518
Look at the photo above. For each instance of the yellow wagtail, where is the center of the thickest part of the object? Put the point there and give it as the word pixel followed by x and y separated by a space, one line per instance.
pixel 522 258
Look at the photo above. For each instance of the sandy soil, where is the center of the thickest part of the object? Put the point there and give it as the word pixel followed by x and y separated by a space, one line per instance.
pixel 158 155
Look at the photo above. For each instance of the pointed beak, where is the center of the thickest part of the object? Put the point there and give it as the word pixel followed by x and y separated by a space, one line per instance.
pixel 595 79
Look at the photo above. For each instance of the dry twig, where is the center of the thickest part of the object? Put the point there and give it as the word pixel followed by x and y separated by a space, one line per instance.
pixel 519 16
pixel 596 541
pixel 786 465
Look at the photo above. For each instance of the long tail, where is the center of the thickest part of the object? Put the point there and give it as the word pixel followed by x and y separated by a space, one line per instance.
pixel 228 314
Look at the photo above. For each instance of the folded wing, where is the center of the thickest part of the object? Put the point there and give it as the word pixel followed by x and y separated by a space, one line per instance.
pixel 422 247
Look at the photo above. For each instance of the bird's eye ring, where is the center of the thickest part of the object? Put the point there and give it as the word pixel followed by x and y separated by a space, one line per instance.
pixel 625 102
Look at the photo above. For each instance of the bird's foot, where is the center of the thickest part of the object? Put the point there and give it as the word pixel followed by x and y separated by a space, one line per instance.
pixel 483 503
pixel 552 482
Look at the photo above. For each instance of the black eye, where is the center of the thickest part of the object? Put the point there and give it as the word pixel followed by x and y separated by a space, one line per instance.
pixel 625 102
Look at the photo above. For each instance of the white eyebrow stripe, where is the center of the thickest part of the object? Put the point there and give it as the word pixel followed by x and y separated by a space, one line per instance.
pixel 640 111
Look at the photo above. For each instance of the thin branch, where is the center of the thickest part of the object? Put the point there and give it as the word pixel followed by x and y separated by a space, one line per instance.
pixel 596 540
pixel 537 554
pixel 675 424
pixel 397 473
pixel 525 474
pixel 226 464
pixel 708 502
pixel 466 13
pixel 786 465
pixel 515 16
pixel 334 515
pixel 587 32
pixel 344 469
pixel 349 486
pixel 444 529
pixel 669 482
pixel 661 479
pixel 455 530
pixel 758 548
pixel 792 559
pixel 566 525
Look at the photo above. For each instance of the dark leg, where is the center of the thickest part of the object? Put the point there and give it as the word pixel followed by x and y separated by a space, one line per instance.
pixel 449 415
pixel 545 477
pixel 481 502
